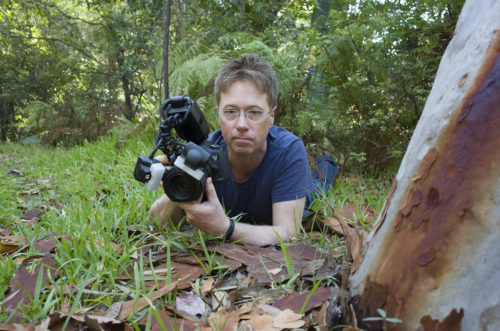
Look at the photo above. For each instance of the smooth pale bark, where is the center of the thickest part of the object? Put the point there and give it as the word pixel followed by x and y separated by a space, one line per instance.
pixel 433 259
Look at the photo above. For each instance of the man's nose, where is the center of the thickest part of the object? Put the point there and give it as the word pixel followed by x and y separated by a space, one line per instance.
pixel 241 120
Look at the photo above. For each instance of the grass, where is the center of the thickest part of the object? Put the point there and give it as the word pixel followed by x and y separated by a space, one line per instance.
pixel 89 194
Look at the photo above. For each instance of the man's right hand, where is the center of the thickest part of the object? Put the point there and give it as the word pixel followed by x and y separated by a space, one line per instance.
pixel 209 215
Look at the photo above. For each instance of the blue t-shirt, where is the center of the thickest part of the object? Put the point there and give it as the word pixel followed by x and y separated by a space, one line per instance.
pixel 282 175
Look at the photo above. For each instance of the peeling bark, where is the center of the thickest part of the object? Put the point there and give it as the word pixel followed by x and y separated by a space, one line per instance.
pixel 433 257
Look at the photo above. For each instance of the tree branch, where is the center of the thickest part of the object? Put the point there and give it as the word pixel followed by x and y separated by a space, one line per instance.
pixel 86 54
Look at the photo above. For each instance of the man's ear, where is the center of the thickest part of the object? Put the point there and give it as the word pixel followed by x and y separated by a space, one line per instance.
pixel 273 111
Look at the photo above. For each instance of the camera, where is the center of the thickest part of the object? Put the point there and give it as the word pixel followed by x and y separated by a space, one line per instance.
pixel 192 162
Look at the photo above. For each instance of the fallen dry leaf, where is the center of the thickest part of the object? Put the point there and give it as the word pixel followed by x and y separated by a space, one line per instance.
pixel 287 319
pixel 275 271
pixel 191 304
pixel 219 300
pixel 180 271
pixel 133 306
pixel 320 316
pixel 45 246
pixel 172 324
pixel 295 301
pixel 15 172
pixel 223 321
pixel 24 283
pixel 265 264
pixel 100 243
pixel 245 308
pixel 334 224
pixel 348 211
pixel 273 311
pixel 12 244
pixel 252 314
pixel 252 261
pixel 262 322
pixel 32 215
pixel 4 232
pixel 207 286
pixel 6 248
pixel 13 240
pixel 101 323
pixel 57 320
pixel 184 315
pixel 355 239
pixel 257 263
pixel 66 307
pixel 19 327
pixel 114 310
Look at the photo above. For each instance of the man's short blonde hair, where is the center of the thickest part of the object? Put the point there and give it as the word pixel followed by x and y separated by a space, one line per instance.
pixel 250 68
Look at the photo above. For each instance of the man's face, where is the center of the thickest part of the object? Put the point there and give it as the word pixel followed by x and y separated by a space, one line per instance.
pixel 244 136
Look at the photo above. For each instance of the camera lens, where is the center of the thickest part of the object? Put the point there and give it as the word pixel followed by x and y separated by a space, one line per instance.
pixel 180 187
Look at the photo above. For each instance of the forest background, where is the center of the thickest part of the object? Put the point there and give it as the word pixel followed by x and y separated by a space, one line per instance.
pixel 87 76
pixel 354 74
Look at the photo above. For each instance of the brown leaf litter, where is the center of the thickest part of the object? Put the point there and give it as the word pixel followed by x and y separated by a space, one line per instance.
pixel 248 295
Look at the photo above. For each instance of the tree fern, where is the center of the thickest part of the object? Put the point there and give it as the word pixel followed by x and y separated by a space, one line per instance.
pixel 234 40
pixel 182 51
pixel 191 77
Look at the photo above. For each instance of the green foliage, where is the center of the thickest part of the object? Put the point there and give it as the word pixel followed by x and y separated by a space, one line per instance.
pixel 195 78
pixel 92 63
pixel 92 182
pixel 69 124
pixel 354 75
pixel 376 61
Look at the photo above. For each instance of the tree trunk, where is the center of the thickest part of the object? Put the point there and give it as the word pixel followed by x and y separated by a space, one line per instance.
pixel 112 103
pixel 179 8
pixel 128 109
pixel 4 118
pixel 433 258
pixel 166 29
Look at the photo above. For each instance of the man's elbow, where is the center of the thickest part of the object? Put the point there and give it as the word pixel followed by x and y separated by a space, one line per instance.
pixel 283 234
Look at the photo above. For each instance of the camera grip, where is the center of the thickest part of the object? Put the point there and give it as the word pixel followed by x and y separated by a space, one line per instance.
pixel 157 171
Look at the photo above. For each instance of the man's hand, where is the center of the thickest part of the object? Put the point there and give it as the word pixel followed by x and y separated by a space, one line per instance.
pixel 163 159
pixel 208 215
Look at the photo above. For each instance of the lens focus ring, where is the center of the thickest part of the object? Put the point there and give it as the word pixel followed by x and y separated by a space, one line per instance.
pixel 181 187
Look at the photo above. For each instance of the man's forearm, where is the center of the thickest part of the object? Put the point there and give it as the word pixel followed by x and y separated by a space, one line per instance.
pixel 261 235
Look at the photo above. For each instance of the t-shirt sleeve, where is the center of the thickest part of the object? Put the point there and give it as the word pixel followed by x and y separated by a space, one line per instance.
pixel 294 180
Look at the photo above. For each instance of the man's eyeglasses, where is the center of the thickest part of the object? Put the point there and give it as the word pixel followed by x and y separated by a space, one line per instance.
pixel 253 115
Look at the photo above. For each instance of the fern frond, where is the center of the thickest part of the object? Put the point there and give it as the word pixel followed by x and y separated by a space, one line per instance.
pixel 180 52
pixel 191 77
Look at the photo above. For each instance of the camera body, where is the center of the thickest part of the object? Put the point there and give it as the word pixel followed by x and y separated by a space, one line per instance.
pixel 192 162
